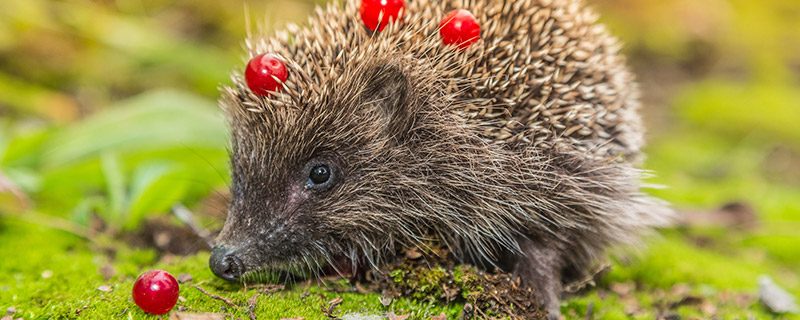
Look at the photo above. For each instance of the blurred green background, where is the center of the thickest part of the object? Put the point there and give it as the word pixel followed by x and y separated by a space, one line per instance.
pixel 108 117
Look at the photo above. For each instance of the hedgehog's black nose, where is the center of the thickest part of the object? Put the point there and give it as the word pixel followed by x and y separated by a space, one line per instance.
pixel 225 264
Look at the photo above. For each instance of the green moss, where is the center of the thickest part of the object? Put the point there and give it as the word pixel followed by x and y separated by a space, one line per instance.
pixel 467 278
pixel 75 279
pixel 423 283
pixel 398 276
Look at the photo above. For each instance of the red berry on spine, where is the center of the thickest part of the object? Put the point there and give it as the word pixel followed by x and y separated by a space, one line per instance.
pixel 460 28
pixel 261 74
pixel 386 10
pixel 156 291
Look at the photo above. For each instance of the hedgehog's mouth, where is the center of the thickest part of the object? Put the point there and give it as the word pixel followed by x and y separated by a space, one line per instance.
pixel 300 269
pixel 258 261
pixel 276 273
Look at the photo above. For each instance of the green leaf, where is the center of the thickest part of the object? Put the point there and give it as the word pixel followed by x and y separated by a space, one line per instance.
pixel 115 188
pixel 155 187
pixel 152 121
pixel 24 147
pixel 26 179
pixel 82 213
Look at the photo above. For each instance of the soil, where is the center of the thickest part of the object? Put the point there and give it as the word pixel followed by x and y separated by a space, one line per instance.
pixel 434 275
pixel 167 237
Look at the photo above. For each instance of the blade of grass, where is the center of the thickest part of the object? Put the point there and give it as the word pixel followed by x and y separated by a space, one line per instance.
pixel 115 189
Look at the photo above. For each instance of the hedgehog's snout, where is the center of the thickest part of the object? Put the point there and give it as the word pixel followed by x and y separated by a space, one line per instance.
pixel 225 264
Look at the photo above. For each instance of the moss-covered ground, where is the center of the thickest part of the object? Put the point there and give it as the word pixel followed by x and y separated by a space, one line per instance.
pixel 108 117
pixel 53 274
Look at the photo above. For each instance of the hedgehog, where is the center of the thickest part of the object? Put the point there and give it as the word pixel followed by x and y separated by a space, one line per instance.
pixel 520 152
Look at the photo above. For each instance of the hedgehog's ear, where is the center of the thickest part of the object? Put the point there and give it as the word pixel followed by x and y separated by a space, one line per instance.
pixel 386 89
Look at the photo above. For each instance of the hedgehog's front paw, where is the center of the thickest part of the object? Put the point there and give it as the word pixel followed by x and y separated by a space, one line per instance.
pixel 539 268
pixel 553 313
pixel 548 300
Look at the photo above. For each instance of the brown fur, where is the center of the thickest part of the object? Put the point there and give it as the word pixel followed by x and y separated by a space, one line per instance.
pixel 519 151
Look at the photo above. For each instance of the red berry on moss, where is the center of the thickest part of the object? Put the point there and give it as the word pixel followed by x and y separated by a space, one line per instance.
pixel 156 291
pixel 371 10
pixel 460 28
pixel 261 73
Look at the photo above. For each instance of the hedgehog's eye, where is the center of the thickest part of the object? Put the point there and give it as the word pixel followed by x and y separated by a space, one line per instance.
pixel 319 174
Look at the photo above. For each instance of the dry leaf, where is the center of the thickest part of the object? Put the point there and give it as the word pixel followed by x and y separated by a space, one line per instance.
pixel 184 278
pixel 774 297
pixel 332 307
pixel 623 288
pixel 413 253
pixel 393 316
pixel 196 316
pixel 386 299
pixel 441 316
pixel 107 271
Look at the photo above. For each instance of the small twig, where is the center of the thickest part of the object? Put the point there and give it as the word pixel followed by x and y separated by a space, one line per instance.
pixel 7 185
pixel 121 313
pixel 252 302
pixel 587 281
pixel 269 289
pixel 57 223
pixel 79 310
pixel 332 307
pixel 227 301
pixel 187 217
pixel 480 312
pixel 589 310
pixel 185 308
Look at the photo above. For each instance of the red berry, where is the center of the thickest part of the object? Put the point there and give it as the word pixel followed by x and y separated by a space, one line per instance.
pixel 156 292
pixel 371 9
pixel 261 73
pixel 459 27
